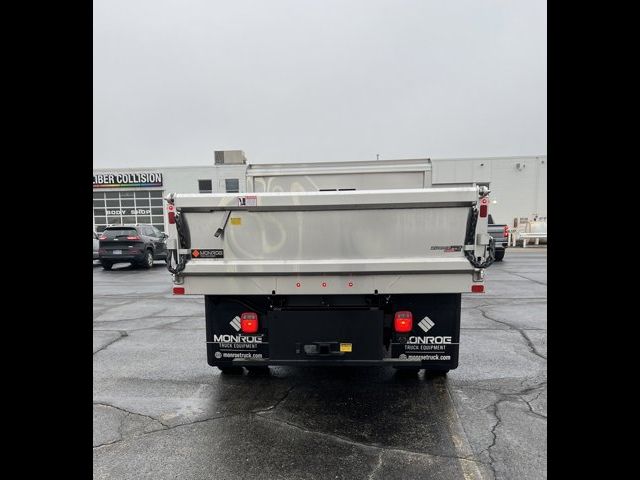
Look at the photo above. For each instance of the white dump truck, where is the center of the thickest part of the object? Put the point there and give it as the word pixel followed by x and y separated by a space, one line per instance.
pixel 338 277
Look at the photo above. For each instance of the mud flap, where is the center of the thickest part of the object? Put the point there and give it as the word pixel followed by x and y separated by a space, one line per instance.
pixel 225 341
pixel 435 337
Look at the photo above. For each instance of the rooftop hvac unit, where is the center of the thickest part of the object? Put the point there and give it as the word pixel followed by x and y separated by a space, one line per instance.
pixel 230 157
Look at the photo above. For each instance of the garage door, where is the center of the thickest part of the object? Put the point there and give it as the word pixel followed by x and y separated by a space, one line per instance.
pixel 131 206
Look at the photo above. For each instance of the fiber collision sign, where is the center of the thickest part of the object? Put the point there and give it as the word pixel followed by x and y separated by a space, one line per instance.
pixel 122 180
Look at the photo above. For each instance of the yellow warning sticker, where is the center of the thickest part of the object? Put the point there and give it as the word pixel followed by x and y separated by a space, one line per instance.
pixel 235 221
pixel 345 347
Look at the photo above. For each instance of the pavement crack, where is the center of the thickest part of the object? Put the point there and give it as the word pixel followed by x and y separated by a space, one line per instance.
pixel 165 428
pixel 147 317
pixel 521 331
pixel 122 333
pixel 164 425
pixel 275 405
pixel 498 302
pixel 160 326
pixel 530 344
pixel 531 410
pixel 368 446
pixel 495 426
pixel 128 412
pixel 494 409
pixel 527 278
pixel 377 466
pixel 134 297
pixel 487 329
pixel 108 443
pixel 509 395
pixel 203 420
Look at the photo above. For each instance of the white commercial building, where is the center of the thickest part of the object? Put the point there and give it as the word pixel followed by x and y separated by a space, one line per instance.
pixel 134 195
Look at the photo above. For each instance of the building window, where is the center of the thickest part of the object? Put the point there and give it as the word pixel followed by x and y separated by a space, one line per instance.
pixel 232 185
pixel 205 186
pixel 130 206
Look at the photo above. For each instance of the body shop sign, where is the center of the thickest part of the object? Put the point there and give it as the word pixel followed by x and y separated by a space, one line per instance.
pixel 122 180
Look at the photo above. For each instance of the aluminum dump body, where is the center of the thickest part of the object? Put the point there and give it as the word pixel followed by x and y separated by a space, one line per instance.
pixel 353 242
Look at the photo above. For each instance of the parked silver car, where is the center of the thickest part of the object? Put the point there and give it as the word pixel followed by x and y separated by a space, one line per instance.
pixel 96 245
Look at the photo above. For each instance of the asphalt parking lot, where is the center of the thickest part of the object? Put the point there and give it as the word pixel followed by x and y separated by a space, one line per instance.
pixel 161 412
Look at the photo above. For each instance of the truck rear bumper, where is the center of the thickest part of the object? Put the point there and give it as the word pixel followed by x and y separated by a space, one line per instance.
pixel 385 362
pixel 334 331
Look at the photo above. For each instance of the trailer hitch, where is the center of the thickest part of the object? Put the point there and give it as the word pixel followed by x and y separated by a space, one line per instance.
pixel 324 349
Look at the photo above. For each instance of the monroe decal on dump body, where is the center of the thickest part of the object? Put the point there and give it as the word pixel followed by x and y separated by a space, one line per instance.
pixel 207 253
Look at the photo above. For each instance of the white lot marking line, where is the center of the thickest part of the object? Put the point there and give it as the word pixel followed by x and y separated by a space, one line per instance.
pixel 461 443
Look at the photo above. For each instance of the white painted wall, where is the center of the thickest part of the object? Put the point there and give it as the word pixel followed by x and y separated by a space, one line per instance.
pixel 518 184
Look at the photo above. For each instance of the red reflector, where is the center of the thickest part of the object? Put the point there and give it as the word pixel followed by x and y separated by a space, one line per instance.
pixel 172 217
pixel 134 237
pixel 178 290
pixel 477 288
pixel 249 322
pixel 483 210
pixel 403 322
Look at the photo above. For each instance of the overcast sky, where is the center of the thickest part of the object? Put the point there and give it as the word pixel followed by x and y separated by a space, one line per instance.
pixel 317 80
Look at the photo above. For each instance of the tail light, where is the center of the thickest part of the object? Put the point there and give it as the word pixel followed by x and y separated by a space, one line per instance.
pixel 477 288
pixel 249 322
pixel 133 237
pixel 506 230
pixel 171 214
pixel 102 237
pixel 178 290
pixel 403 322
pixel 484 206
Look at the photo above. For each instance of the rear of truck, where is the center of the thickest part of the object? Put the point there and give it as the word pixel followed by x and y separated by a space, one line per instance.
pixel 370 277
pixel 500 234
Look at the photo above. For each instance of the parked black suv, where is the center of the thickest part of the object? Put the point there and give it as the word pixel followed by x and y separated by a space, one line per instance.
pixel 136 244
